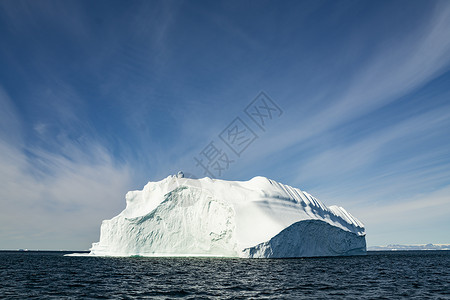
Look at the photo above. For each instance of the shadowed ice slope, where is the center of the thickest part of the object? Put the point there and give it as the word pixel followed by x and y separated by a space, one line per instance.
pixel 309 238
pixel 209 217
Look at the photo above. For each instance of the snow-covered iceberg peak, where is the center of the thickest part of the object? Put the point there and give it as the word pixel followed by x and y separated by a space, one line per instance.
pixel 182 216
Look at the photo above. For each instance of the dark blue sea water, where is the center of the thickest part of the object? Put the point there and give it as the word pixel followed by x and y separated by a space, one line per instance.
pixel 379 275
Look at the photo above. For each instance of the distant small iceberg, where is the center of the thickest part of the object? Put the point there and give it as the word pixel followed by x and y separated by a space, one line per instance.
pixel 398 247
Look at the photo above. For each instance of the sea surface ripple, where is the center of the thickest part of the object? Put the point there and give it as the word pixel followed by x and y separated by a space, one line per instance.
pixel 379 275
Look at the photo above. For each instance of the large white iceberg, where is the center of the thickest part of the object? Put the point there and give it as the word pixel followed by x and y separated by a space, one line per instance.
pixel 180 216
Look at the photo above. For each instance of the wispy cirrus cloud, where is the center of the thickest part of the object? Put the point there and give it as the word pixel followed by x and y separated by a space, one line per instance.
pixel 398 67
pixel 422 215
pixel 54 199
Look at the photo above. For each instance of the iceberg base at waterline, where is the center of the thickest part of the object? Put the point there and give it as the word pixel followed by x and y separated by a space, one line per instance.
pixel 259 218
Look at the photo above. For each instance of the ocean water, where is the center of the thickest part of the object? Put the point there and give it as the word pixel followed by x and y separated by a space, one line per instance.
pixel 379 275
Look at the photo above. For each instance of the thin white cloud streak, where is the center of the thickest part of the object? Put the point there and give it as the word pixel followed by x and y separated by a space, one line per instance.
pixel 416 206
pixel 357 155
pixel 8 119
pixel 393 184
pixel 70 201
pixel 63 206
pixel 406 64
pixel 397 69
pixel 413 222
pixel 73 187
pixel 354 174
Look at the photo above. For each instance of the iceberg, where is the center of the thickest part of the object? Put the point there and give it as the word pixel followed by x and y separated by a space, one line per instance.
pixel 258 218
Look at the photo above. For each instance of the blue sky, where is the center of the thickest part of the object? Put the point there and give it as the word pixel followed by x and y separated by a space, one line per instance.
pixel 97 98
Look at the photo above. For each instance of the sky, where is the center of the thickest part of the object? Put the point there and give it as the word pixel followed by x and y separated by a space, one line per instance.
pixel 347 100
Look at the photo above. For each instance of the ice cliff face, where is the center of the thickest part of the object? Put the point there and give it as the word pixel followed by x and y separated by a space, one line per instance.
pixel 180 216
